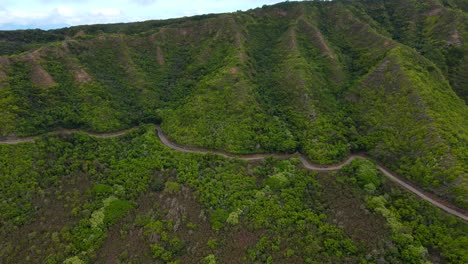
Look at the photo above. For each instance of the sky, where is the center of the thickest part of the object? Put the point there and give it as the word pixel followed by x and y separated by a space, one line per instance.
pixel 50 14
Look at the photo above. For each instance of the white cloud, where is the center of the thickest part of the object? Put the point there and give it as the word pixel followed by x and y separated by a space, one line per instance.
pixel 60 16
pixel 144 2
pixel 58 13
pixel 65 11
pixel 63 1
pixel 105 12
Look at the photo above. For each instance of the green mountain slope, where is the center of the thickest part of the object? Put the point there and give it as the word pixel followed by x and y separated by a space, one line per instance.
pixel 323 78
pixel 410 118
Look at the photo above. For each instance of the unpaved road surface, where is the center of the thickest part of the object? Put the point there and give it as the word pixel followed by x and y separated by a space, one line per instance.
pixel 444 205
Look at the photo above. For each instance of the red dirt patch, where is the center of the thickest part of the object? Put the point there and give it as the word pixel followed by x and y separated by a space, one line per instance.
pixel 387 43
pixel 239 39
pixel 379 73
pixel 127 238
pixel 65 46
pixel 190 224
pixel 81 76
pixel 317 38
pixel 322 44
pixel 185 31
pixel 153 38
pixel 242 57
pixel 292 43
pixel 41 77
pixel 35 241
pixel 4 61
pixel 280 12
pixel 34 56
pixel 236 243
pixel 455 39
pixel 160 56
pixel 179 208
pixel 382 66
pixel 347 210
pixel 233 70
pixel 3 76
pixel 160 34
pixel 435 11
pixel 79 34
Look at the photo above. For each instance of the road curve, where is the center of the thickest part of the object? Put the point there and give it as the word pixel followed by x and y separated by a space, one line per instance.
pixel 444 205
pixel 315 167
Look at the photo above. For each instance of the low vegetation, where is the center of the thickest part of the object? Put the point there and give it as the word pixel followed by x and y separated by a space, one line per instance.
pixel 133 182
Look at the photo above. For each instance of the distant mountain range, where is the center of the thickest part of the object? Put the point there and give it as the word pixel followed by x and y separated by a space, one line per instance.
pixel 12 26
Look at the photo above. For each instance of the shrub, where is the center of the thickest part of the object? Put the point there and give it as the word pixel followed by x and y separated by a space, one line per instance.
pixel 101 189
pixel 115 210
pixel 172 187
pixel 277 181
pixel 233 218
pixel 210 259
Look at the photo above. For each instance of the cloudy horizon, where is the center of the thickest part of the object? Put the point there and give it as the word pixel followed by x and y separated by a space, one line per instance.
pixel 51 14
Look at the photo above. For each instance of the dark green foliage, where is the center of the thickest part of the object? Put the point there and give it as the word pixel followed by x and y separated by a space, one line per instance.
pixel 286 212
pixel 18 180
pixel 417 227
pixel 101 190
pixel 401 120
pixel 365 174
pixel 267 80
pixel 275 197
pixel 127 163
pixel 321 77
pixel 115 210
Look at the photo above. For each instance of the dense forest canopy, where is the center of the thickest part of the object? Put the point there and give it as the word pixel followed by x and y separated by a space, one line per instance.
pixel 324 78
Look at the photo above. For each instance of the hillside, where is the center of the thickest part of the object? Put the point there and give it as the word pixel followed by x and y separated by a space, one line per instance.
pixel 323 78
pixel 281 78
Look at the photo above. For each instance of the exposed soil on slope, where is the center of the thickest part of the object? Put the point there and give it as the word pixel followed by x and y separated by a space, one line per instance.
pixel 81 76
pixel 39 76
pixel 455 39
pixel 346 209
pixel 436 11
pixel 3 76
pixel 4 62
pixel 160 56
pixel 33 242
pixel 190 224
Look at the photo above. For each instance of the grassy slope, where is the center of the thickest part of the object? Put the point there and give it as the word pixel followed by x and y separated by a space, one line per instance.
pixel 297 80
pixel 221 112
pixel 437 29
pixel 410 118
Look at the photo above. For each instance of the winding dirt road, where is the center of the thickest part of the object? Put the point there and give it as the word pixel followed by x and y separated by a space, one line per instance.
pixel 444 205
pixel 11 140
pixel 315 167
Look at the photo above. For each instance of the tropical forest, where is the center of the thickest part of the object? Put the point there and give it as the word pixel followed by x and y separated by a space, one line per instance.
pixel 299 132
